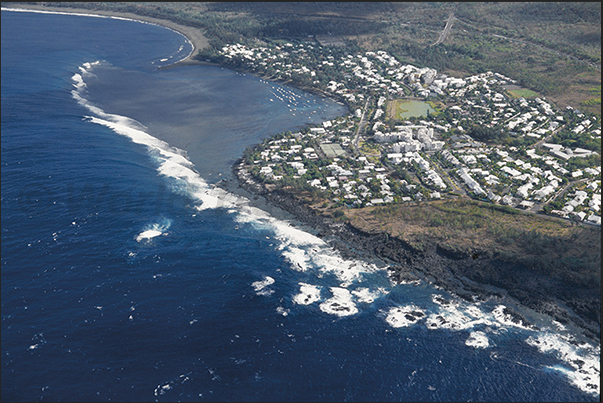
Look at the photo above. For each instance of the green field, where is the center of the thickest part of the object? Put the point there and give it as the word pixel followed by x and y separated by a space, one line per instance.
pixel 403 109
pixel 523 92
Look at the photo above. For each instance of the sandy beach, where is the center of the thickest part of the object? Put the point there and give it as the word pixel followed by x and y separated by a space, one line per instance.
pixel 194 35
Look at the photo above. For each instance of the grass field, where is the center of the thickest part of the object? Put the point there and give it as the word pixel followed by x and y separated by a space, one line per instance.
pixel 523 92
pixel 467 225
pixel 405 108
pixel 369 148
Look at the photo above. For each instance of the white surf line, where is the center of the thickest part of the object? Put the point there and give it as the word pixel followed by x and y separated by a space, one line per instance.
pixel 154 230
pixel 301 248
pixel 581 361
pixel 305 251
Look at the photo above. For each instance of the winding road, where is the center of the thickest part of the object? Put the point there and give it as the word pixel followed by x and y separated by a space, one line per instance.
pixel 446 30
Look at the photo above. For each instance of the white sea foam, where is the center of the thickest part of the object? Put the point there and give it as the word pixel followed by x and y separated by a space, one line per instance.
pixel 289 235
pixel 154 230
pixel 404 316
pixel 366 295
pixel 162 389
pixel 308 294
pixel 24 10
pixel 346 271
pixel 305 250
pixel 38 340
pixel 298 258
pixel 260 286
pixel 584 359
pixel 340 304
pixel 148 234
pixel 507 319
pixel 454 316
pixel 282 311
pixel 477 339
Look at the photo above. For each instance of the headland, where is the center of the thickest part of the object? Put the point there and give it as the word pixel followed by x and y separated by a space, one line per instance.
pixel 474 274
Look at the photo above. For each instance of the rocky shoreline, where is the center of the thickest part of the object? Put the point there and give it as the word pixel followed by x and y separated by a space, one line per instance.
pixel 473 277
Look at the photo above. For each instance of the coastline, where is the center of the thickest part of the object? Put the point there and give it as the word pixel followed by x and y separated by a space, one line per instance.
pixel 193 35
pixel 471 279
pixel 434 265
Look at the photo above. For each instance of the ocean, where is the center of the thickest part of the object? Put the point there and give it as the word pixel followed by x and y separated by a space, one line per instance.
pixel 128 275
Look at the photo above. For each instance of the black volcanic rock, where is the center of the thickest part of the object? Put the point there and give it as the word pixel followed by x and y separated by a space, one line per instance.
pixel 472 276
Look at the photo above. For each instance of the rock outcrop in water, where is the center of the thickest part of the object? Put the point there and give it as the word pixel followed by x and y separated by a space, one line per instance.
pixel 472 276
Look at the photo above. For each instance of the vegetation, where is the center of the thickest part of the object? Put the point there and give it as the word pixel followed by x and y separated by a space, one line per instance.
pixel 593 102
pixel 553 48
pixel 469 226
pixel 369 147
pixel 568 138
pixel 523 92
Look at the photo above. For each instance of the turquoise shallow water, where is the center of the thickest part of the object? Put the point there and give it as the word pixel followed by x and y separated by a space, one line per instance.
pixel 127 276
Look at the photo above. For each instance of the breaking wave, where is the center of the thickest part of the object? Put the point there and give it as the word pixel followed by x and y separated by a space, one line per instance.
pixel 343 286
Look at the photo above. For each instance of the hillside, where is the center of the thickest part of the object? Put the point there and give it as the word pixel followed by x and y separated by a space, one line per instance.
pixel 552 48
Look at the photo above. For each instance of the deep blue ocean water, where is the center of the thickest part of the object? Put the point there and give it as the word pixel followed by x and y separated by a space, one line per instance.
pixel 127 276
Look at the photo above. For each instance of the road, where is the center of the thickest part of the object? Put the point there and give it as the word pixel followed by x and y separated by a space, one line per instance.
pixel 446 30
pixel 445 175
pixel 561 192
pixel 550 136
pixel 360 127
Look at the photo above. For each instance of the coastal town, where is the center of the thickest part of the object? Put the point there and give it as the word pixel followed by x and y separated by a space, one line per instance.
pixel 415 134
pixel 302 201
